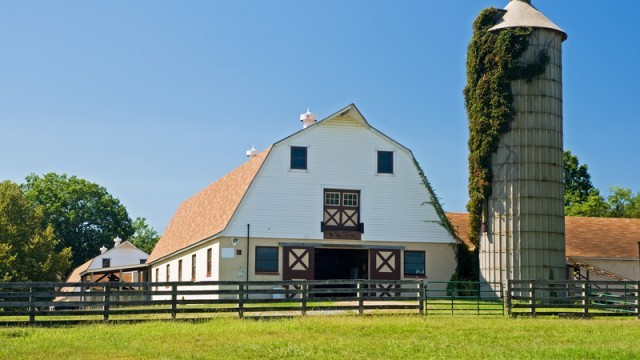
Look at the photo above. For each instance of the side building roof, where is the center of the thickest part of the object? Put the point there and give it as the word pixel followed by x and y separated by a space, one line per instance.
pixel 585 237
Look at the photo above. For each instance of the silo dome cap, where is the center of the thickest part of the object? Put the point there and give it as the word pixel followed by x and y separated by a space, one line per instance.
pixel 519 13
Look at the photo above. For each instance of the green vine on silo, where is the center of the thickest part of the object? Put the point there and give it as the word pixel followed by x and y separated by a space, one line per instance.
pixel 492 63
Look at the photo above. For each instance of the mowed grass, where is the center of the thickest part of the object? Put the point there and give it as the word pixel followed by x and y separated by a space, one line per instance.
pixel 332 337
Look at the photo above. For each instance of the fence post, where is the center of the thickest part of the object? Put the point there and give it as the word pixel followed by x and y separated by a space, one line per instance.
pixel 420 293
pixel 360 298
pixel 305 294
pixel 174 300
pixel 508 297
pixel 585 298
pixel 107 299
pixel 638 299
pixel 533 297
pixel 240 300
pixel 32 307
pixel 425 296
pixel 453 291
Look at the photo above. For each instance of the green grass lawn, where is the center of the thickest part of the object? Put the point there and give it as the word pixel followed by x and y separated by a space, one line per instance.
pixel 331 337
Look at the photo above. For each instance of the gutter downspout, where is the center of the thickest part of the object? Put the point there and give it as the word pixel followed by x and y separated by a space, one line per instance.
pixel 248 247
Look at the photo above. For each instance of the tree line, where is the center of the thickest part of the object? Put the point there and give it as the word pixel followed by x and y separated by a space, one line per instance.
pixel 53 223
pixel 581 198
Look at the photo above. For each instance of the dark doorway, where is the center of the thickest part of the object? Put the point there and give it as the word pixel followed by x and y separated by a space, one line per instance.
pixel 333 264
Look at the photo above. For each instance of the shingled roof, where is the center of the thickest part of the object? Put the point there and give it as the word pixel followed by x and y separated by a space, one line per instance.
pixel 208 212
pixel 586 237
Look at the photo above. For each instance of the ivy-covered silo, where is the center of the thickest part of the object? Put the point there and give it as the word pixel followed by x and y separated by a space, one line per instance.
pixel 514 101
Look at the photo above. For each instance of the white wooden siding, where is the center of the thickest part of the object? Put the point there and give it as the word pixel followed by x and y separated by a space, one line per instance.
pixel 342 154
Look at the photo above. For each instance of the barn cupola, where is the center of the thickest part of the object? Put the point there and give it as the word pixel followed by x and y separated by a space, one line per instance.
pixel 117 241
pixel 103 249
pixel 252 152
pixel 307 119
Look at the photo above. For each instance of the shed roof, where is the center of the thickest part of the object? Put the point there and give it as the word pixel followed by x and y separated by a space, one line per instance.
pixel 208 212
pixel 521 13
pixel 586 237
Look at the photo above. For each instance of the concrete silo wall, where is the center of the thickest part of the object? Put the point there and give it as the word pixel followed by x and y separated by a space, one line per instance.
pixel 525 213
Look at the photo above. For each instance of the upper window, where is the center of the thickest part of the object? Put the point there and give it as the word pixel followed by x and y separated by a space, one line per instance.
pixel 385 162
pixel 299 158
pixel 168 272
pixel 106 263
pixel 180 270
pixel 266 259
pixel 414 263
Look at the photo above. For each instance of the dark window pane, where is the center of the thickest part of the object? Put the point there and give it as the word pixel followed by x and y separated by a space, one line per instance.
pixel 385 162
pixel 414 263
pixel 266 259
pixel 299 157
pixel 106 263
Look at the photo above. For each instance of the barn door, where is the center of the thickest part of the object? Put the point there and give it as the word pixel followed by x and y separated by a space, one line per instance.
pixel 384 265
pixel 298 263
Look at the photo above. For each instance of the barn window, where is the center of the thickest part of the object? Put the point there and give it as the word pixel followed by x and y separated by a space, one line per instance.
pixel 414 263
pixel 209 262
pixel 157 274
pixel 168 277
pixel 267 259
pixel 106 263
pixel 193 267
pixel 180 270
pixel 298 158
pixel 385 162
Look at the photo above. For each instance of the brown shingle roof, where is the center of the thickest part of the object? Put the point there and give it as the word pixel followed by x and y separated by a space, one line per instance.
pixel 208 212
pixel 610 238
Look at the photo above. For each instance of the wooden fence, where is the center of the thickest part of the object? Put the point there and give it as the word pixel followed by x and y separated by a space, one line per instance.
pixel 28 303
pixel 573 298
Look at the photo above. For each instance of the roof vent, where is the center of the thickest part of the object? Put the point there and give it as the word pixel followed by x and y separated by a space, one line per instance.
pixel 117 240
pixel 103 249
pixel 307 119
pixel 252 153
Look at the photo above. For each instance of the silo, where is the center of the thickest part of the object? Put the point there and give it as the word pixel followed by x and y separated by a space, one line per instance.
pixel 523 236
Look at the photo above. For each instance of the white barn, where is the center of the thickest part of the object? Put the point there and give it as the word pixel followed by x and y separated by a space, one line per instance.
pixel 335 200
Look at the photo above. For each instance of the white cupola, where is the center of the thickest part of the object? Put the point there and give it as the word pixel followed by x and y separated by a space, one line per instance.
pixel 103 249
pixel 307 119
pixel 252 152
pixel 117 240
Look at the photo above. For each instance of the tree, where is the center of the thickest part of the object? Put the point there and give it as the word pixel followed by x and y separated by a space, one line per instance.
pixel 623 204
pixel 145 236
pixel 84 216
pixel 581 198
pixel 28 246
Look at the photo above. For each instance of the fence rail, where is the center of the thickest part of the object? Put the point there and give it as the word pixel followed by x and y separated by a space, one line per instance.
pixel 29 303
pixel 573 298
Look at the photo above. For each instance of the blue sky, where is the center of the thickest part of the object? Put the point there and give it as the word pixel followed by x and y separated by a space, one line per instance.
pixel 156 99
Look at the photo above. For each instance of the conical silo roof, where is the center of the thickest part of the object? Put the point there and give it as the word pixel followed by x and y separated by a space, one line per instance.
pixel 522 13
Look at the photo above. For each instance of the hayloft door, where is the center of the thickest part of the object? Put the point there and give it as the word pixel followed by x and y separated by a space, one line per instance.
pixel 298 263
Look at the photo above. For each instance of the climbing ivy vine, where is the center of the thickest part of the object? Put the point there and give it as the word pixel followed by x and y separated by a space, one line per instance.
pixel 492 63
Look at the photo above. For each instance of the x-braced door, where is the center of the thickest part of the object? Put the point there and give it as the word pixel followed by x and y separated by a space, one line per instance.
pixel 384 265
pixel 298 263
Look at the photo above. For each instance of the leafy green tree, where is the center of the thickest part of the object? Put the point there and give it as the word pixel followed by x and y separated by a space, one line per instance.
pixel 623 203
pixel 29 250
pixel 581 198
pixel 145 236
pixel 84 216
